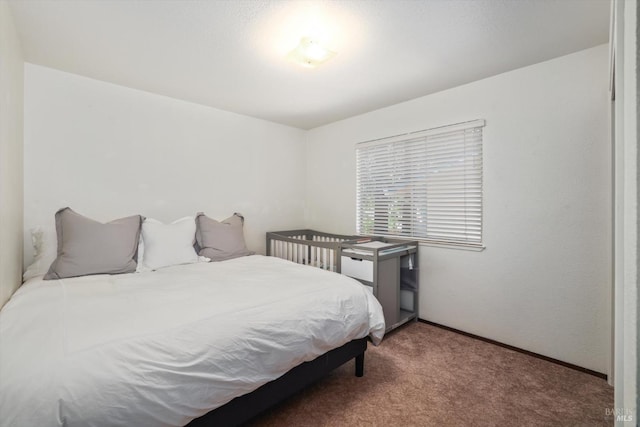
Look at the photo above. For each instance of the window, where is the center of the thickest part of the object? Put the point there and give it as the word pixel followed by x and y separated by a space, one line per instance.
pixel 424 185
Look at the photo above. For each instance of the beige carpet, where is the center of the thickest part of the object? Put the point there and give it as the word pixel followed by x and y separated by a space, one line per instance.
pixel 422 375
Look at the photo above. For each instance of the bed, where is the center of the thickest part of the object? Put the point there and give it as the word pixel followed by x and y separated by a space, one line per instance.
pixel 166 348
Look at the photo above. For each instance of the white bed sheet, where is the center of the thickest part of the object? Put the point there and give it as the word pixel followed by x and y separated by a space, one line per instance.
pixel 164 347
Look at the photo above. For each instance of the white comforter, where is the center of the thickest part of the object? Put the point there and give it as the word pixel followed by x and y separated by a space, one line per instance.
pixel 162 348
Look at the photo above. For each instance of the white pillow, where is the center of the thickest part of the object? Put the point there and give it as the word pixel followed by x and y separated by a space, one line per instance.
pixel 167 244
pixel 139 268
pixel 45 251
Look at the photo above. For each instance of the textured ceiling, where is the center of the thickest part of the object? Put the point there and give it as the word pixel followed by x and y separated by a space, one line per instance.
pixel 231 54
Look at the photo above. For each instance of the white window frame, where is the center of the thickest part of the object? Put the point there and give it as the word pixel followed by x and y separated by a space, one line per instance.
pixel 425 186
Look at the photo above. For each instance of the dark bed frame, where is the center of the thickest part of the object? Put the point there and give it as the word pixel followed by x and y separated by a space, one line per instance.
pixel 243 408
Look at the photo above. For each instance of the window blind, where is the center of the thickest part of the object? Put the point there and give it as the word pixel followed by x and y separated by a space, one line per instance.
pixel 424 185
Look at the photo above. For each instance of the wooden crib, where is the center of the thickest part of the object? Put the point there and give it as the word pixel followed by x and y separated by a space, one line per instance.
pixel 308 247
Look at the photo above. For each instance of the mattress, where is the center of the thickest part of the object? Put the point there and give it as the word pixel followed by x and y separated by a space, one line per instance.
pixel 162 348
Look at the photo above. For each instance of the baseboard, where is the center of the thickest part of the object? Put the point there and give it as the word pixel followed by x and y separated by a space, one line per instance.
pixel 519 350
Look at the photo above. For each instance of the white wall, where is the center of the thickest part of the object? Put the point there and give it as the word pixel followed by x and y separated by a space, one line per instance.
pixel 543 282
pixel 109 151
pixel 11 188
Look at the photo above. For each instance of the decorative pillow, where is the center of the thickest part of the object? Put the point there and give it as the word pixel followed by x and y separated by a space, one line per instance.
pixel 88 247
pixel 167 244
pixel 44 253
pixel 220 241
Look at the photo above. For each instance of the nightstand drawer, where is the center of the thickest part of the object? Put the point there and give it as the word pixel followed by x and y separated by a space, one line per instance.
pixel 359 268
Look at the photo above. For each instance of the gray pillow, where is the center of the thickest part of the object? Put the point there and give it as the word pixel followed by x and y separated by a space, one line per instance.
pixel 88 247
pixel 221 240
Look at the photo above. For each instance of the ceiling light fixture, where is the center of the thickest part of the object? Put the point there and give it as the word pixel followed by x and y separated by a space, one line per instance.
pixel 310 53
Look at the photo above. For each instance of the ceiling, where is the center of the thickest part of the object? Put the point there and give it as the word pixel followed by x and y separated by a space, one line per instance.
pixel 231 54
